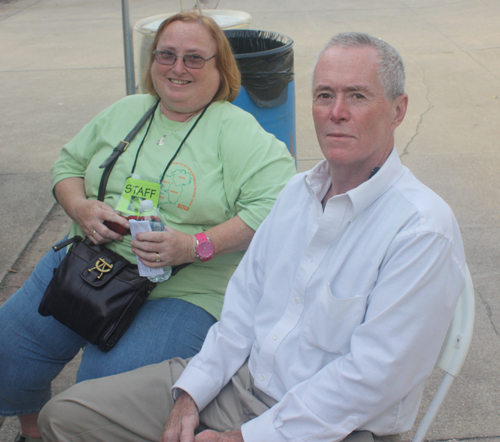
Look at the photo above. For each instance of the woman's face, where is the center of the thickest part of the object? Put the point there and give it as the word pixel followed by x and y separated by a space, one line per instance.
pixel 185 90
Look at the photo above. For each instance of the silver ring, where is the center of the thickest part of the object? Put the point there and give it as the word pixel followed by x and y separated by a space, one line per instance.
pixel 93 233
pixel 158 257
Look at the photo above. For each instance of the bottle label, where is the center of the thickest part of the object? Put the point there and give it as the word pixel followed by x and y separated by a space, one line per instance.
pixel 135 191
pixel 138 227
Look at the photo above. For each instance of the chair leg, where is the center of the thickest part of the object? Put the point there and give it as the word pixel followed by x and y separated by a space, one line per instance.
pixel 433 409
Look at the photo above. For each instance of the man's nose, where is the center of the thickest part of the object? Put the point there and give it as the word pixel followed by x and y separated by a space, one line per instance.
pixel 340 110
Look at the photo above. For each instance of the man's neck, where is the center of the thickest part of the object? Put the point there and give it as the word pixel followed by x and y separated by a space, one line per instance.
pixel 348 178
pixel 343 181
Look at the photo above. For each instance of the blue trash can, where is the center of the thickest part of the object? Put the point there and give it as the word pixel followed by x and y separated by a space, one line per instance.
pixel 265 60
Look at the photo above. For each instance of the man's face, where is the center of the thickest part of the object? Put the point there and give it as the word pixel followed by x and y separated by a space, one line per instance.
pixel 354 121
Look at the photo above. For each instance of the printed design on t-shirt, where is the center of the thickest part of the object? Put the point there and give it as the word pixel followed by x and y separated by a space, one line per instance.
pixel 178 188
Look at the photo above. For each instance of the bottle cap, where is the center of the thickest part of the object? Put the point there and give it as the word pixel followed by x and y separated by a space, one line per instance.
pixel 147 205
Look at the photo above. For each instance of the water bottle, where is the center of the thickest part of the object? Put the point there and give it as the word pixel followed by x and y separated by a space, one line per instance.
pixel 148 212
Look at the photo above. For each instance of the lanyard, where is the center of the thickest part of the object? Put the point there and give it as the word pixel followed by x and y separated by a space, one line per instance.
pixel 178 149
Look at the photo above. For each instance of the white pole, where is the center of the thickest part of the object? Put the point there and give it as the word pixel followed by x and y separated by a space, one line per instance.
pixel 128 49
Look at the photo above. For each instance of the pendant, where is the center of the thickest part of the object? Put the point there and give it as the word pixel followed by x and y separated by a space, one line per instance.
pixel 161 141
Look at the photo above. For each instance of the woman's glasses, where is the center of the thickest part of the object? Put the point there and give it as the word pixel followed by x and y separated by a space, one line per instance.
pixel 190 60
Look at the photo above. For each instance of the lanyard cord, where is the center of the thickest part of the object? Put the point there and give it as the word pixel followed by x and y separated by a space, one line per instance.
pixel 185 138
pixel 180 145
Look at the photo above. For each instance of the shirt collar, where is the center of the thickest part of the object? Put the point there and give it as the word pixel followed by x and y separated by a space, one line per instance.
pixel 318 180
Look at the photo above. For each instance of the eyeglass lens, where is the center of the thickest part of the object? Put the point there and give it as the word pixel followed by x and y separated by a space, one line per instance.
pixel 190 60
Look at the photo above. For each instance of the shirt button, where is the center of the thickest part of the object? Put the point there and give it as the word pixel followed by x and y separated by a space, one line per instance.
pixel 275 337
pixel 297 300
pixel 318 213
pixel 262 377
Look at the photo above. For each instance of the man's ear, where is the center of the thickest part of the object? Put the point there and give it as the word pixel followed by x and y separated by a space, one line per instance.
pixel 400 105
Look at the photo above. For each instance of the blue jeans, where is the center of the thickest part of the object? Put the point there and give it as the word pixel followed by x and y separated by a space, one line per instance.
pixel 34 349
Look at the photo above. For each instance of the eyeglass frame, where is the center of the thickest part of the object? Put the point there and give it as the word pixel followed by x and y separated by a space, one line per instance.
pixel 183 58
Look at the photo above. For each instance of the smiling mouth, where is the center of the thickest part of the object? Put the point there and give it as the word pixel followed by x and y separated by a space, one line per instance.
pixel 181 82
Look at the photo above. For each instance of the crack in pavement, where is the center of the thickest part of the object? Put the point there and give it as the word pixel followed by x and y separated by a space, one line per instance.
pixel 486 68
pixel 15 12
pixel 405 150
pixel 489 312
pixel 429 107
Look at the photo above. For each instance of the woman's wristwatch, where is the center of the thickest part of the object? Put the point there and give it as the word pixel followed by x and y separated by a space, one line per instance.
pixel 204 248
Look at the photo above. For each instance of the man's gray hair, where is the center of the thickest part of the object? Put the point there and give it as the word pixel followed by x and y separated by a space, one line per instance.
pixel 391 69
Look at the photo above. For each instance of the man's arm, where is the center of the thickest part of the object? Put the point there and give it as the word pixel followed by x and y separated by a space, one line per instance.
pixel 228 343
pixel 224 351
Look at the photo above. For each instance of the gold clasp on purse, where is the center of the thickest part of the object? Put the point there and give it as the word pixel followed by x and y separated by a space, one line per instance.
pixel 101 266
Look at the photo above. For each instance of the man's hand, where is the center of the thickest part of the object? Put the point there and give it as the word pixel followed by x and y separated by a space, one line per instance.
pixel 214 436
pixel 183 420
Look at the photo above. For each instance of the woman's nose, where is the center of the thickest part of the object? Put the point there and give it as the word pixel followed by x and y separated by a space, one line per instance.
pixel 179 66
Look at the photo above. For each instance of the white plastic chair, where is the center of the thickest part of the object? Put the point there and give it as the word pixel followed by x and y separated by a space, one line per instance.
pixel 453 353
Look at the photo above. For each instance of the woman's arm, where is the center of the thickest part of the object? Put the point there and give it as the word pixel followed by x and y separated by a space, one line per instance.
pixel 175 247
pixel 88 214
pixel 233 235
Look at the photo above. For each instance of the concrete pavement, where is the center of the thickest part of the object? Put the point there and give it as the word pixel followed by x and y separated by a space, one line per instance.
pixel 62 62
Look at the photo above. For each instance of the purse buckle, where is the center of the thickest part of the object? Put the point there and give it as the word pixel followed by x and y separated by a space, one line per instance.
pixel 101 266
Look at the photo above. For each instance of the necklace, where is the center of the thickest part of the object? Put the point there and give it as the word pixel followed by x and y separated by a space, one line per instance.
pixel 161 141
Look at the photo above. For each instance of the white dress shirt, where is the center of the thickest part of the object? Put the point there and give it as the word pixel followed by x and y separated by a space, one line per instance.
pixel 341 312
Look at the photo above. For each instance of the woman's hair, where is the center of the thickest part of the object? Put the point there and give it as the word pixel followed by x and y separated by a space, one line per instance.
pixel 391 69
pixel 230 78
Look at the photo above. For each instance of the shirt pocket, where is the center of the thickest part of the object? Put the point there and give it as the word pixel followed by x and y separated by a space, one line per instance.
pixel 331 321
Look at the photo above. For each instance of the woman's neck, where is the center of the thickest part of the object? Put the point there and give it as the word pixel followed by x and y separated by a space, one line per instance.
pixel 179 117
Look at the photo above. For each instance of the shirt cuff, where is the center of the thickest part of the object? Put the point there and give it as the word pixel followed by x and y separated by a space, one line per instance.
pixel 198 385
pixel 261 429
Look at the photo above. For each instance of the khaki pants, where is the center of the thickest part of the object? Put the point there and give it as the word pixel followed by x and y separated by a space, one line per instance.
pixel 135 406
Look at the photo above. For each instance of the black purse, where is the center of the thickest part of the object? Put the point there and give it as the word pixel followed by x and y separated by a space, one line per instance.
pixel 96 292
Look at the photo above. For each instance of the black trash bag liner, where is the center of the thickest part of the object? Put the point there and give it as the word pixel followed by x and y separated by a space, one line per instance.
pixel 265 60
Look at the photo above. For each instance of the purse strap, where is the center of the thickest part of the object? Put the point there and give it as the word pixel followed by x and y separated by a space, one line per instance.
pixel 119 149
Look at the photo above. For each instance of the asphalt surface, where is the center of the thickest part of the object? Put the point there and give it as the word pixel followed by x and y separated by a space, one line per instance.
pixel 61 62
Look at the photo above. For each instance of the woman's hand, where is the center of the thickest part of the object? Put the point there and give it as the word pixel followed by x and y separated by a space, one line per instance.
pixel 174 247
pixel 171 247
pixel 90 215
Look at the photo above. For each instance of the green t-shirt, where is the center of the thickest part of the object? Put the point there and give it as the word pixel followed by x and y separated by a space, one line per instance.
pixel 228 166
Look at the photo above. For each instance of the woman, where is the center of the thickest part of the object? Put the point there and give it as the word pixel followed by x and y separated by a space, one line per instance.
pixel 217 190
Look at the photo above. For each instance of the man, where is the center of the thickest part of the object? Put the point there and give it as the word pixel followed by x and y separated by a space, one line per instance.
pixel 335 317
